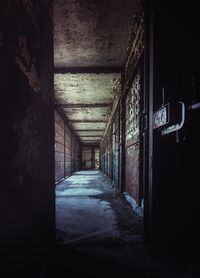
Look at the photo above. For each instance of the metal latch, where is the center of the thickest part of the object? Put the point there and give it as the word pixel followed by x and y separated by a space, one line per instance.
pixel 177 126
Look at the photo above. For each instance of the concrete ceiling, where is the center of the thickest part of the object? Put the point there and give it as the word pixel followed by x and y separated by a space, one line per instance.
pixel 86 99
pixel 90 41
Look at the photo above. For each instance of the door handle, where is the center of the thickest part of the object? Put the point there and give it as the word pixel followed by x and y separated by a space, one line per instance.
pixel 178 126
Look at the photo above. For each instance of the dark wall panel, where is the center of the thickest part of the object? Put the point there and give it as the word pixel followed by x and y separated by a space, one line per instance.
pixel 175 155
pixel 27 119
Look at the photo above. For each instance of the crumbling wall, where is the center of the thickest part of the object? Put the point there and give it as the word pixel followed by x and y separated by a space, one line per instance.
pixel 27 117
pixel 132 138
pixel 132 88
pixel 136 43
pixel 120 148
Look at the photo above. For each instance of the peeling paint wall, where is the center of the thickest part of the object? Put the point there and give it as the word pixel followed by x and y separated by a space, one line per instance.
pixel 133 105
pixel 136 42
pixel 132 139
pixel 123 132
pixel 27 181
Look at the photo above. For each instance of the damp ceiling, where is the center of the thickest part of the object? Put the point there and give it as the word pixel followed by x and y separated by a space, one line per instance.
pixel 90 41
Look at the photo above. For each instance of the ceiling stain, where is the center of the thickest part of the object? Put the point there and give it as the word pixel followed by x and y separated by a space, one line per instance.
pixel 90 35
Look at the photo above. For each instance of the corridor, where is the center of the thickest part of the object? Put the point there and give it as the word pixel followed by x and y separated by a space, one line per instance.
pixel 99 234
pixel 100 138
pixel 89 208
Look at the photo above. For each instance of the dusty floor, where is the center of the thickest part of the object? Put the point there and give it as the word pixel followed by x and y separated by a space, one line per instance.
pixel 98 234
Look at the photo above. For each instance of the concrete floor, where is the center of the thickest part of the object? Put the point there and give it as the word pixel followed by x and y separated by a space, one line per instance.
pixel 98 234
pixel 82 211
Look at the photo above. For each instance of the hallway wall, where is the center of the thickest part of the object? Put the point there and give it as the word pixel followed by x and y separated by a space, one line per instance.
pixel 90 157
pixel 27 121
pixel 67 149
pixel 60 148
pixel 120 148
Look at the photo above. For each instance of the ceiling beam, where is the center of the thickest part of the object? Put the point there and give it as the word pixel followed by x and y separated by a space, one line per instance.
pixel 90 136
pixel 88 130
pixel 64 70
pixel 87 121
pixel 82 105
pixel 91 141
pixel 89 144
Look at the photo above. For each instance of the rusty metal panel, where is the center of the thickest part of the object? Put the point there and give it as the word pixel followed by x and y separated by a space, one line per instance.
pixel 132 149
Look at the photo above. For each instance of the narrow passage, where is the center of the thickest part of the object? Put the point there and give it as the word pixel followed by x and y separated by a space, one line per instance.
pixel 88 207
pixel 99 234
